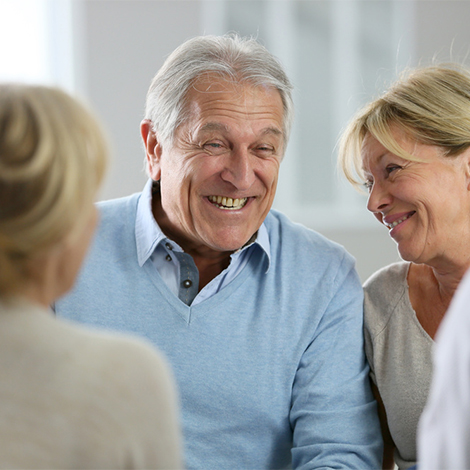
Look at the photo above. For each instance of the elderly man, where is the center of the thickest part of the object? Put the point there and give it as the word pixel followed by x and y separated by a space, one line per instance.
pixel 260 318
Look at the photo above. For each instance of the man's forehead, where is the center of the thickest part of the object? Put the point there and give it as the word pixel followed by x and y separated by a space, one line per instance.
pixel 214 82
pixel 215 104
pixel 214 85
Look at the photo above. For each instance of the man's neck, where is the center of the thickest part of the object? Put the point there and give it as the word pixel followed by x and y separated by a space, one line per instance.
pixel 209 268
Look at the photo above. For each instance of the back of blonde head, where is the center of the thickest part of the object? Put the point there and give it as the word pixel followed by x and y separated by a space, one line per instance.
pixel 430 104
pixel 52 160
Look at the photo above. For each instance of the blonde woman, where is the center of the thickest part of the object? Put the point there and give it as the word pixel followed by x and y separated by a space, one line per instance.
pixel 411 150
pixel 69 397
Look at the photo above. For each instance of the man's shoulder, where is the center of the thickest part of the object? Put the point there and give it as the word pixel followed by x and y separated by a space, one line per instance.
pixel 285 232
pixel 112 207
pixel 115 233
pixel 117 214
pixel 315 258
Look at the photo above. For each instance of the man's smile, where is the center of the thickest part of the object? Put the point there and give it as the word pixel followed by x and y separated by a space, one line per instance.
pixel 227 203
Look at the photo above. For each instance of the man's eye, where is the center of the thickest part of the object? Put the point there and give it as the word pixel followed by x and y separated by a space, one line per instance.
pixel 214 148
pixel 265 149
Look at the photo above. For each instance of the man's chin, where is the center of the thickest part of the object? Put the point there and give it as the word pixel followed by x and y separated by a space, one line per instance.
pixel 231 244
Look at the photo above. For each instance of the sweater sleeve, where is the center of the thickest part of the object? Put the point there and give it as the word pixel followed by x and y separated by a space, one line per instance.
pixel 333 414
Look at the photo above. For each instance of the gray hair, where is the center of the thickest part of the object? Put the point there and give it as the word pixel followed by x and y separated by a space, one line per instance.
pixel 231 57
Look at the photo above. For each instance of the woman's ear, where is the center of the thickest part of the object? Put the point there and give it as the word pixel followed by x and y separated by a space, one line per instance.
pixel 153 149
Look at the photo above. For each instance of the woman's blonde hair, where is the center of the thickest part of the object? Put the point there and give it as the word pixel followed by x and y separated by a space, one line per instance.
pixel 431 105
pixel 52 160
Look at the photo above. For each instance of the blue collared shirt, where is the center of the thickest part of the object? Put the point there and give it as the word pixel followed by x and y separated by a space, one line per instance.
pixel 177 268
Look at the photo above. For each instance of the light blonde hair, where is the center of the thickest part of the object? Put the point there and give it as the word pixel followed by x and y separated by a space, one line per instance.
pixel 431 105
pixel 52 160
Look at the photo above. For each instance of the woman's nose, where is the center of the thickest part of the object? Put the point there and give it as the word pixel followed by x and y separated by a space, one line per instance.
pixel 379 198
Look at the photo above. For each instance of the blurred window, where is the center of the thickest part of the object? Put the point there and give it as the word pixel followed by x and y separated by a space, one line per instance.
pixel 36 42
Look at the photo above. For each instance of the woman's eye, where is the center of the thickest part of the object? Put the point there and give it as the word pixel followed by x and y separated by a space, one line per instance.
pixel 391 168
pixel 368 185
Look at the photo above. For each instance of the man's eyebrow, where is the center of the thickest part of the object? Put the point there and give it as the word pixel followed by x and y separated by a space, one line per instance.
pixel 272 130
pixel 218 126
pixel 213 126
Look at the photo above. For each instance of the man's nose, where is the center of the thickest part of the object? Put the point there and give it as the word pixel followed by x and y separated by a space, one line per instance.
pixel 239 169
pixel 379 198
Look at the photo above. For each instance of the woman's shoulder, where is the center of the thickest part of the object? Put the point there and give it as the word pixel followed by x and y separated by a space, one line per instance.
pixel 102 367
pixel 387 277
pixel 120 383
pixel 383 292
pixel 133 382
pixel 127 355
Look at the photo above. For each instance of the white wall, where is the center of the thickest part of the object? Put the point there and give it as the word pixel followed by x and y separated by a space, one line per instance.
pixel 122 43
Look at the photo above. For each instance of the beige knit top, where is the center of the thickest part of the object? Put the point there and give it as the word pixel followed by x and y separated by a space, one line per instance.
pixel 74 398
pixel 400 355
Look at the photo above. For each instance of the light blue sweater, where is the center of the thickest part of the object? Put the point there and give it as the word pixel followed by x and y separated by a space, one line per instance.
pixel 271 369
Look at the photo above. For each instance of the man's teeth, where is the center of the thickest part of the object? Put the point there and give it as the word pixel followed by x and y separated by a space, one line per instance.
pixel 228 202
pixel 399 221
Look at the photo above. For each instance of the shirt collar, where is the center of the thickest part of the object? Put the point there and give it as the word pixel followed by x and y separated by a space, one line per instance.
pixel 148 233
pixel 262 241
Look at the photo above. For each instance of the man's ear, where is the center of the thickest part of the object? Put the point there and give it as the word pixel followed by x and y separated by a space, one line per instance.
pixel 153 149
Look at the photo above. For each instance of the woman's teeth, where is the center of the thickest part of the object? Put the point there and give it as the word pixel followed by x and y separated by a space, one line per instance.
pixel 399 221
pixel 228 203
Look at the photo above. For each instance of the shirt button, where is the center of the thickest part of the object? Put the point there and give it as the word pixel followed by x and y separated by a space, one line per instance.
pixel 168 257
pixel 169 246
pixel 187 283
